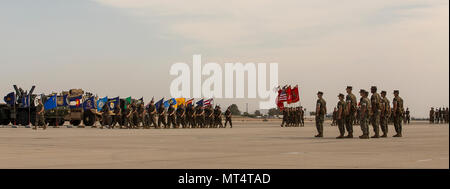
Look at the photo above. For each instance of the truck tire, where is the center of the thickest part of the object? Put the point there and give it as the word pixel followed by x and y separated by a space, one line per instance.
pixel 75 122
pixel 88 119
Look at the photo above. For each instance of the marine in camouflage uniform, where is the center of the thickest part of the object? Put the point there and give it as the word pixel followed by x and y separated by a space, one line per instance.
pixel 151 111
pixel 117 115
pixel 321 111
pixel 334 116
pixel 181 116
pixel 218 117
pixel 40 119
pixel 365 107
pixel 129 117
pixel 350 111
pixel 134 116
pixel 209 117
pixel 228 115
pixel 408 116
pixel 171 117
pixel 106 116
pixel 385 113
pixel 432 115
pixel 446 115
pixel 397 112
pixel 285 117
pixel 291 117
pixel 190 120
pixel 141 115
pixel 161 116
pixel 375 101
pixel 302 115
pixel 200 117
pixel 340 116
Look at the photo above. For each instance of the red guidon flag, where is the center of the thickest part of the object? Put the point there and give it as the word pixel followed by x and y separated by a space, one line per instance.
pixel 295 95
pixel 289 95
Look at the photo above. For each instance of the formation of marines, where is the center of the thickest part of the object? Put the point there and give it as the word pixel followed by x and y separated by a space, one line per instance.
pixel 375 111
pixel 138 116
pixel 293 117
pixel 439 116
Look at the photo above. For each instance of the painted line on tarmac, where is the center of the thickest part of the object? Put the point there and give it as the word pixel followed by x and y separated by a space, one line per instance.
pixel 424 160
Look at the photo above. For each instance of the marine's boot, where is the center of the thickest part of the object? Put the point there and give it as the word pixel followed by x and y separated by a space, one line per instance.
pixel 340 137
pixel 320 135
pixel 364 137
pixel 375 136
pixel 350 135
pixel 384 135
pixel 397 135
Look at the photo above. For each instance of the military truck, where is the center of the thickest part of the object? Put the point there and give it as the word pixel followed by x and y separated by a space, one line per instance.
pixel 90 114
pixel 76 107
pixel 21 110
pixel 59 115
pixel 5 114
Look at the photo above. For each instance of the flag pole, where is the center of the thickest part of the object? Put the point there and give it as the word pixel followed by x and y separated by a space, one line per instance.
pixel 29 110
pixel 15 112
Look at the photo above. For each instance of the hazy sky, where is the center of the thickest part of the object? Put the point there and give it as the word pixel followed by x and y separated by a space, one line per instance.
pixel 126 47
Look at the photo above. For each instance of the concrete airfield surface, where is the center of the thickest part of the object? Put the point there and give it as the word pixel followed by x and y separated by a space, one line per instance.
pixel 251 144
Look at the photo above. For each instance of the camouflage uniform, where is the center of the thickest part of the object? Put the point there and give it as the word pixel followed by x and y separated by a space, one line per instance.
pixel 117 115
pixel 321 111
pixel 302 117
pixel 228 118
pixel 340 117
pixel 190 121
pixel 397 112
pixel 106 116
pixel 209 117
pixel 375 116
pixel 171 118
pixel 40 119
pixel 218 117
pixel 408 116
pixel 200 117
pixel 161 116
pixel 151 111
pixel 384 116
pixel 285 117
pixel 432 115
pixel 129 117
pixel 141 115
pixel 365 107
pixel 350 111
pixel 181 116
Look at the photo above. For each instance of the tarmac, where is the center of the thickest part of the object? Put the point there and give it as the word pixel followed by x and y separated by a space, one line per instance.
pixel 250 144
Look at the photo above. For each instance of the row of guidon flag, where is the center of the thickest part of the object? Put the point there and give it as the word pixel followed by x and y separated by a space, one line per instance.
pixel 287 95
pixel 98 103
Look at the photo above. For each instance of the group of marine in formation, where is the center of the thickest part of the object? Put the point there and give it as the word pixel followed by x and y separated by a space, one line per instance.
pixel 439 116
pixel 76 107
pixel 377 111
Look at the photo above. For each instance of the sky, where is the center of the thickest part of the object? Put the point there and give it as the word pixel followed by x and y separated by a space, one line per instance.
pixel 126 47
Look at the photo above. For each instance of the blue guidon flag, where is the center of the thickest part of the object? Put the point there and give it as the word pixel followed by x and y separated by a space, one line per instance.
pixel 89 103
pixel 10 98
pixel 51 103
pixel 101 102
pixel 113 102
